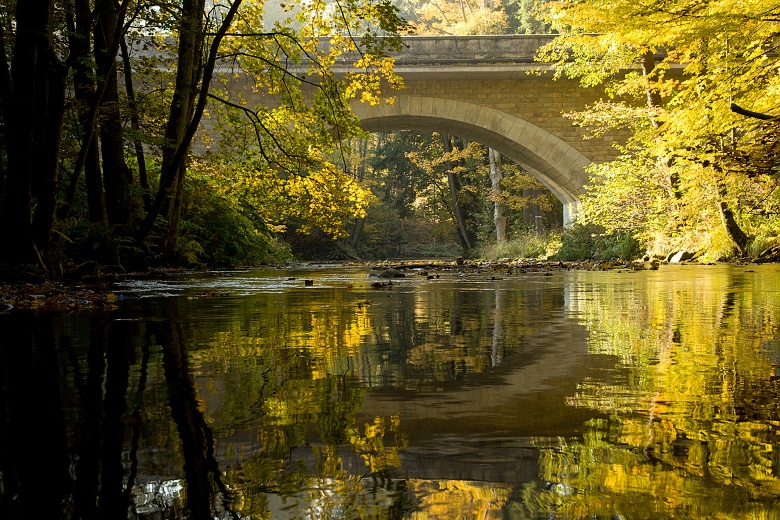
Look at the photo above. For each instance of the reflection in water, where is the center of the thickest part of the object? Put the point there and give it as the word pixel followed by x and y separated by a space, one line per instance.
pixel 692 430
pixel 34 460
pixel 246 394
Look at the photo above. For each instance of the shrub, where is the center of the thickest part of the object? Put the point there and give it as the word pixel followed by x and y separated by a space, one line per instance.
pixel 525 245
pixel 217 231
pixel 589 242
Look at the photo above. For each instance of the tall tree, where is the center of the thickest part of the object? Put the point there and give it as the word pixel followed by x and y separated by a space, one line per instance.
pixel 32 117
pixel 116 175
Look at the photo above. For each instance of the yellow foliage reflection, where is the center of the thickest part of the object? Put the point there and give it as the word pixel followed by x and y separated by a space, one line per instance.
pixel 691 425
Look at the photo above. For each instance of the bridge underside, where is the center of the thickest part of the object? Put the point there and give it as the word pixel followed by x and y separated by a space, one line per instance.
pixel 556 164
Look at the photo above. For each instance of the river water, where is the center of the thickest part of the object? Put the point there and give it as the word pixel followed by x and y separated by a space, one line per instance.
pixel 308 393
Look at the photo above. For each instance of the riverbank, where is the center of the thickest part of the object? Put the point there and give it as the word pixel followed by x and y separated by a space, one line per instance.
pixel 96 292
pixel 37 293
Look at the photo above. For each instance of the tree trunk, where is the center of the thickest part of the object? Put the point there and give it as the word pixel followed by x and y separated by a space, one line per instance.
pixel 499 208
pixel 183 123
pixel 116 175
pixel 452 181
pixel 734 232
pixel 5 92
pixel 23 107
pixel 357 233
pixel 190 60
pixel 85 93
pixel 135 124
pixel 357 229
pixel 93 181
pixel 45 174
pixel 174 211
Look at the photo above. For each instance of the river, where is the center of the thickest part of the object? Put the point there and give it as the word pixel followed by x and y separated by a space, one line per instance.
pixel 307 392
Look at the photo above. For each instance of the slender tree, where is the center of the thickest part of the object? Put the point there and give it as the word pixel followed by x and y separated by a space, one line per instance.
pixel 499 208
pixel 452 182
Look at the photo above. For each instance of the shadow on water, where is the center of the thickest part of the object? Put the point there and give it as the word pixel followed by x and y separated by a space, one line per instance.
pixel 33 439
pixel 55 466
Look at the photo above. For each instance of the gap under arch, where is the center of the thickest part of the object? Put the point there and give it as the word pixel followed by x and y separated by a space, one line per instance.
pixel 555 163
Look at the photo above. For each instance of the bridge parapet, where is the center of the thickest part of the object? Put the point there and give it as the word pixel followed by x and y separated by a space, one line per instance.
pixel 441 54
pixel 513 48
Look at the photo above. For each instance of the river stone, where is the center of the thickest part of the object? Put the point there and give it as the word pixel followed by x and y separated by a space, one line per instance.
pixel 680 256
pixel 391 273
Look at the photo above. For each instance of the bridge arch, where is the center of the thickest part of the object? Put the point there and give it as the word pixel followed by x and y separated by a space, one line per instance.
pixel 555 163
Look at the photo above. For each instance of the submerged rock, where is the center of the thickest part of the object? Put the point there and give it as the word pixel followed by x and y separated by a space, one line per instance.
pixel 388 273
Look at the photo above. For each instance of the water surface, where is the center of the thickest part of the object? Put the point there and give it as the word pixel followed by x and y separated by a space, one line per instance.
pixel 308 393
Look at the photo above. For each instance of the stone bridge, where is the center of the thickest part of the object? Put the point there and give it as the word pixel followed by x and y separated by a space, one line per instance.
pixel 489 89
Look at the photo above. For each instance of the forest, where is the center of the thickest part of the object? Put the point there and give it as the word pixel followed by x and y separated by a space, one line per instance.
pixel 102 104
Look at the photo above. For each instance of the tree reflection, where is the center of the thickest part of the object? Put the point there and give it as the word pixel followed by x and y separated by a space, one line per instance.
pixel 202 474
pixel 259 406
pixel 64 407
pixel 33 440
pixel 693 427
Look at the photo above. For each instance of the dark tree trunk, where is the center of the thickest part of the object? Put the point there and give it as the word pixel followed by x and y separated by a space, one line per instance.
pixel 93 182
pixel 174 211
pixel 456 207
pixel 116 174
pixel 5 95
pixel 357 233
pixel 193 80
pixel 734 232
pixel 135 124
pixel 190 60
pixel 85 92
pixel 25 106
pixel 45 182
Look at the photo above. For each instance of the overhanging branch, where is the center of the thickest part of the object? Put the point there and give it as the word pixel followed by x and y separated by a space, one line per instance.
pixel 749 113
